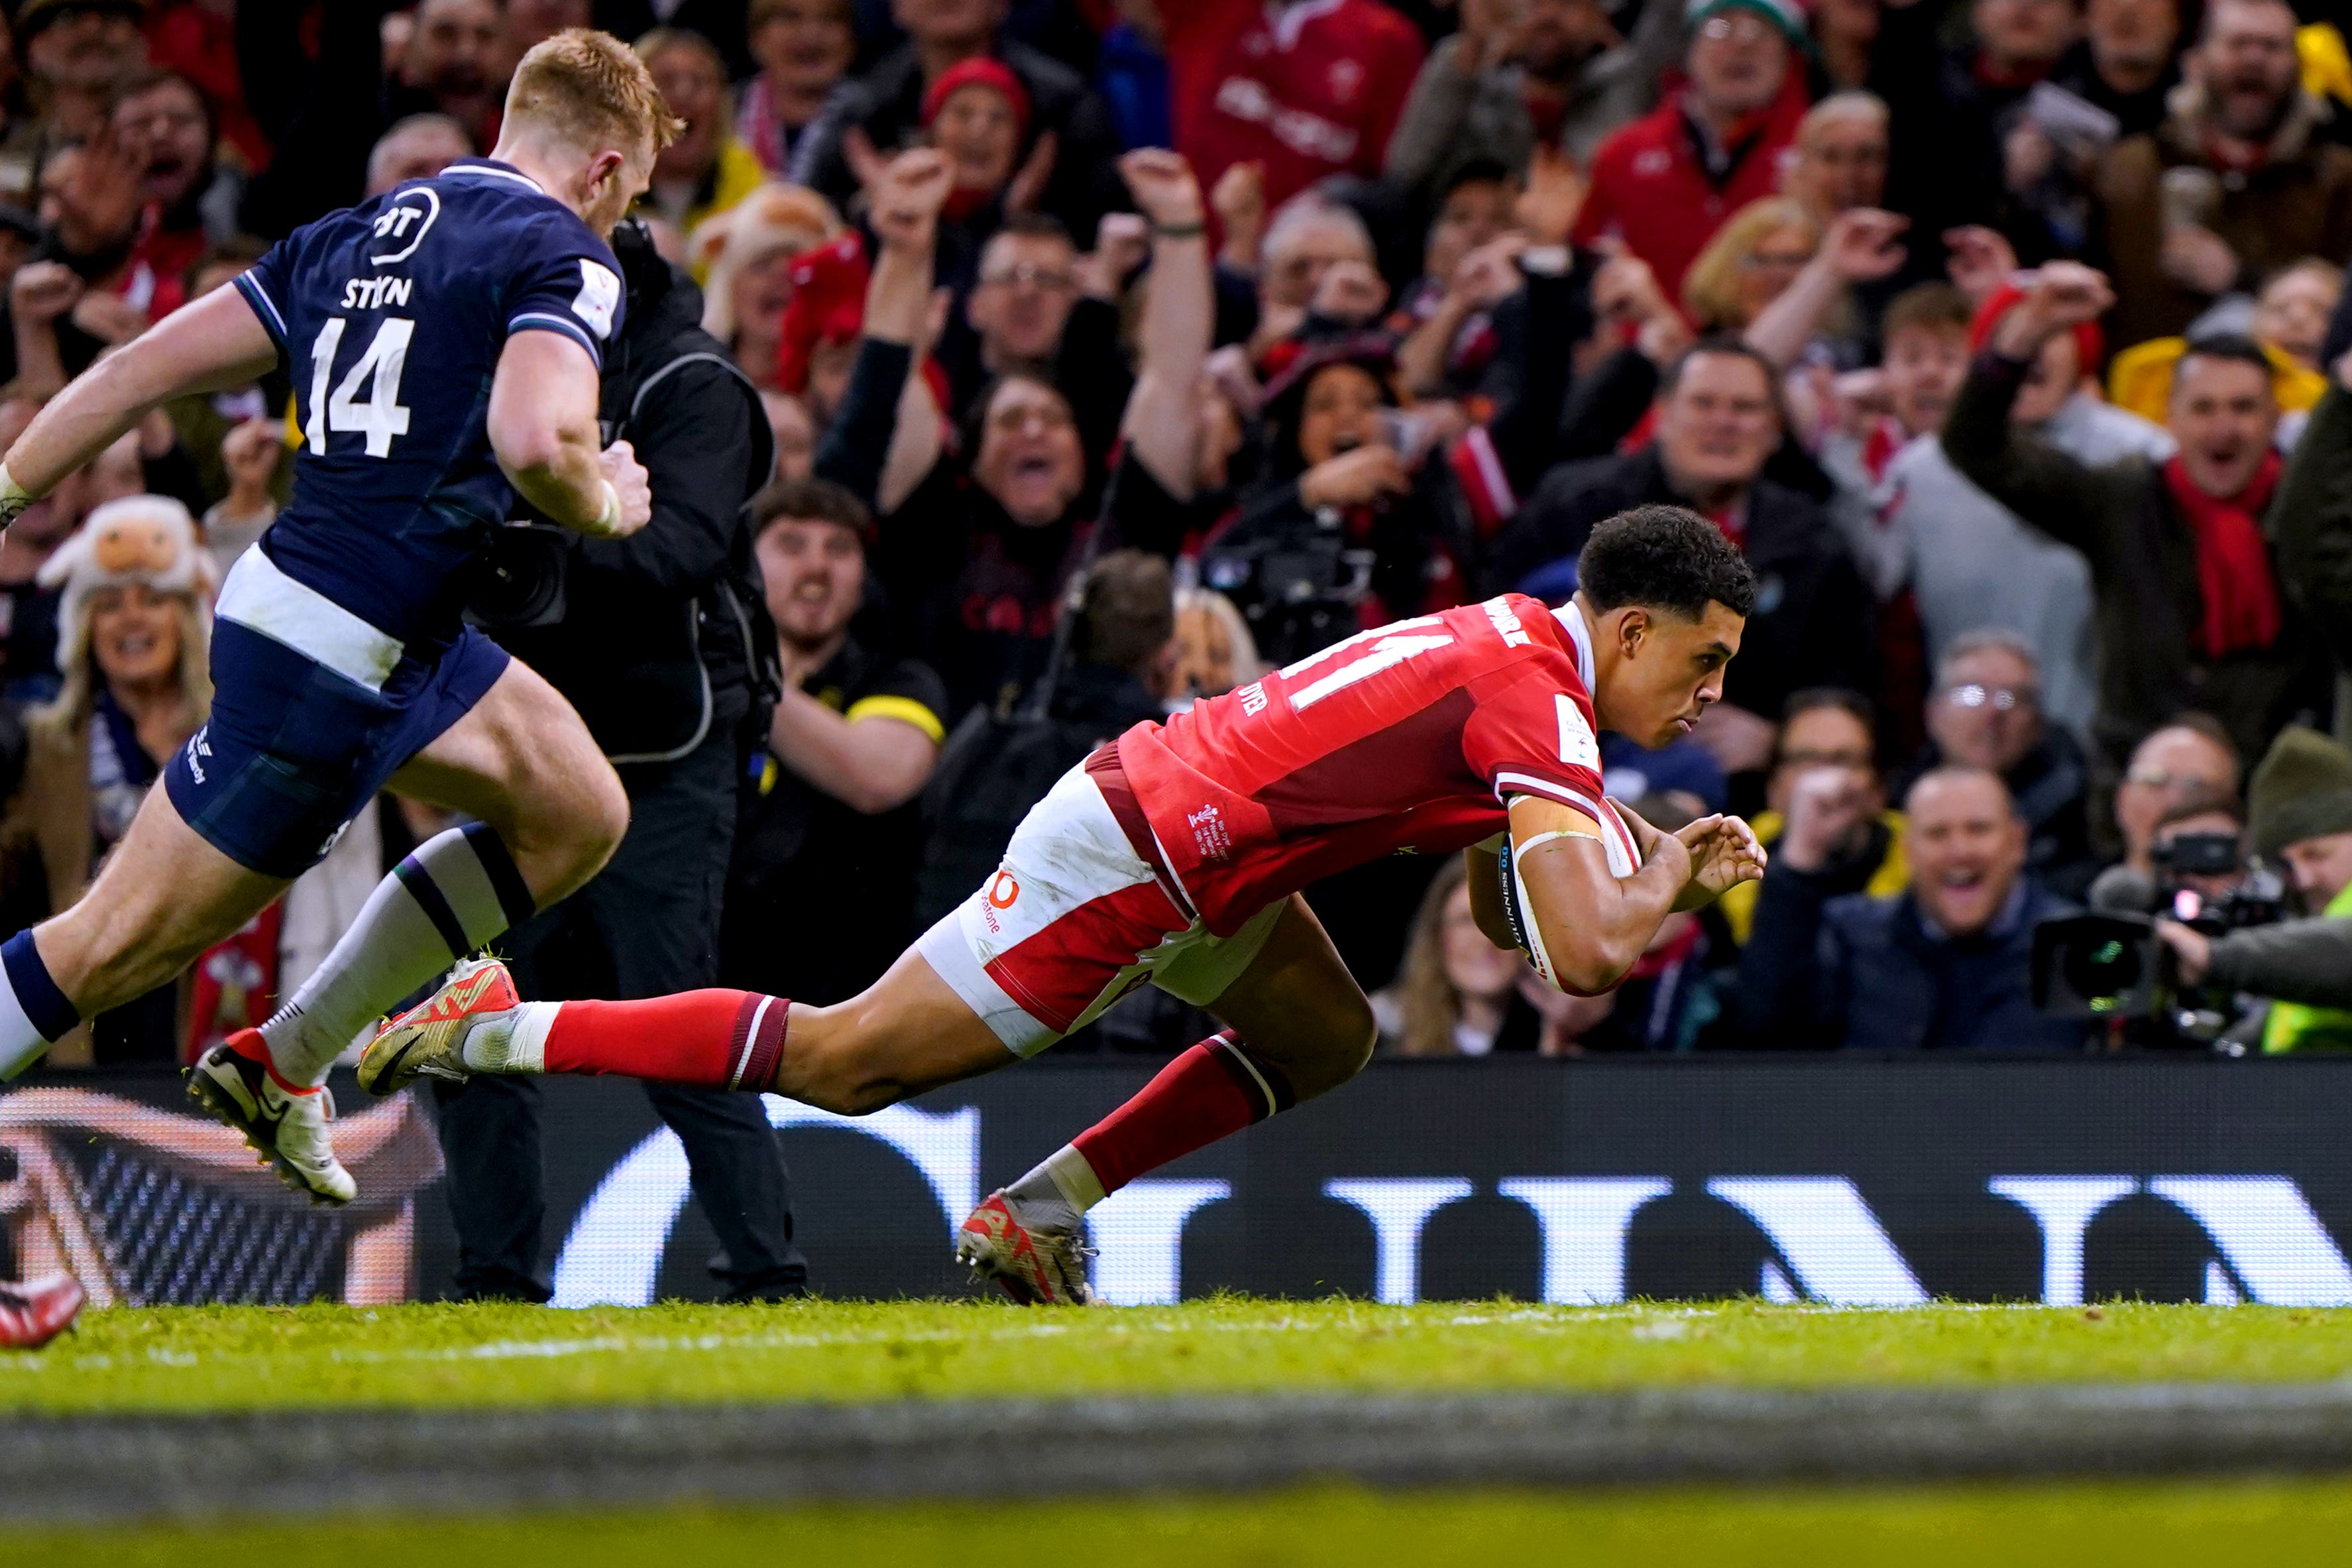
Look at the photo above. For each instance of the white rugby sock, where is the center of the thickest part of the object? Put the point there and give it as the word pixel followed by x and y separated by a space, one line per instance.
pixel 513 1042
pixel 451 897
pixel 1057 1193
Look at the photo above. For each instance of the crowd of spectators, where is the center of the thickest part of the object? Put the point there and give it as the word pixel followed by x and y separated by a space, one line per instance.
pixel 2003 336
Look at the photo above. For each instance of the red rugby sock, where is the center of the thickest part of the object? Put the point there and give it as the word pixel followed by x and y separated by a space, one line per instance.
pixel 1211 1091
pixel 714 1039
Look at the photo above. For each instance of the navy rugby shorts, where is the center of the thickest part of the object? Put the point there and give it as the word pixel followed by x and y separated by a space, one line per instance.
pixel 313 710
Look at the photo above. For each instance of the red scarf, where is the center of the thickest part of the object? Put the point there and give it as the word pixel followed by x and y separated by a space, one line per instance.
pixel 2233 564
pixel 2235 157
pixel 965 200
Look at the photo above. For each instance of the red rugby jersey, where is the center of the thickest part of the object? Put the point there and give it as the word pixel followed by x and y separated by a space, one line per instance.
pixel 1309 89
pixel 1407 739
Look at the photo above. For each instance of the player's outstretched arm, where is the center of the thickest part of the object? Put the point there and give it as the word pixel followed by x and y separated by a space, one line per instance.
pixel 542 427
pixel 1593 924
pixel 213 344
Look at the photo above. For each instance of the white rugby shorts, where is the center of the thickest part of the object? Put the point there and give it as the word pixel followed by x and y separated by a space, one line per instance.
pixel 1076 918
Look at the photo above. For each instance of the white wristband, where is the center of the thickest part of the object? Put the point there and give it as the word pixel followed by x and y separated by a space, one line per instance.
pixel 608 522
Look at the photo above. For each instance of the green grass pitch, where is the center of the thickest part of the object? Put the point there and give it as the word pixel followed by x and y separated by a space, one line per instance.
pixel 241 1357
pixel 262 1358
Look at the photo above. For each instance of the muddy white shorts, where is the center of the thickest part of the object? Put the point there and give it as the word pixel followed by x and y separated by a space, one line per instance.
pixel 1076 916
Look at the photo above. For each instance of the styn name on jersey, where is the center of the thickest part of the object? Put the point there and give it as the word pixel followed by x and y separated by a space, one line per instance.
pixel 374 293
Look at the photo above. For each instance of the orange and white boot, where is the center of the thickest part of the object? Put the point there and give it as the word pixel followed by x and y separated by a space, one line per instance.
pixel 429 1039
pixel 1038 1264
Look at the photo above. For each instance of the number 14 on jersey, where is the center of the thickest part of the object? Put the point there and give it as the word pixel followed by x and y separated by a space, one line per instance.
pixel 383 415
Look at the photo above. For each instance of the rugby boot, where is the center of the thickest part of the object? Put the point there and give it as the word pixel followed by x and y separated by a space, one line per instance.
pixel 286 1124
pixel 35 1311
pixel 429 1039
pixel 1037 1264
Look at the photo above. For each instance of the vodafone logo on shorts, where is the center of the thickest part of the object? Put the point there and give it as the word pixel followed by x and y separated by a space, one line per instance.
pixel 999 892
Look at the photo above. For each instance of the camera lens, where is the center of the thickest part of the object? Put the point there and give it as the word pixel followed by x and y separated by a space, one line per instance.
pixel 2101 972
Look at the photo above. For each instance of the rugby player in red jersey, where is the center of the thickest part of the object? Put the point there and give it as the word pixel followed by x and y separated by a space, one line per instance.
pixel 1175 855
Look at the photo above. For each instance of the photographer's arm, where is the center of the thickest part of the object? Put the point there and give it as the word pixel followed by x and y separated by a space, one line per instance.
pixel 2306 960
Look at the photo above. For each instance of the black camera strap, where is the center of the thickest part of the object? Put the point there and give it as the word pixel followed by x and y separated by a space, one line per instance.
pixel 1040 702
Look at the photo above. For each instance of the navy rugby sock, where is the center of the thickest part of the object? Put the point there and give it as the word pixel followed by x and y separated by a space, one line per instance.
pixel 451 897
pixel 34 1014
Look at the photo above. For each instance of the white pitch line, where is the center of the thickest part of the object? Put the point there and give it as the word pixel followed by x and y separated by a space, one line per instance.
pixel 1552 1319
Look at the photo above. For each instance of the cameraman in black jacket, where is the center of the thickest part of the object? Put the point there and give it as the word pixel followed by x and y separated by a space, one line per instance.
pixel 661 642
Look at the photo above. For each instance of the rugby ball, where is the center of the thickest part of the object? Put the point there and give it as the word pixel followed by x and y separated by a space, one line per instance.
pixel 1624 860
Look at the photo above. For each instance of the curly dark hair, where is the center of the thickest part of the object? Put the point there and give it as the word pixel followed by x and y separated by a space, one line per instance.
pixel 1666 558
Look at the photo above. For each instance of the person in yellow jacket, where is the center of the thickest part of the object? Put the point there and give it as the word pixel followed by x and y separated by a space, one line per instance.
pixel 2327 65
pixel 1825 788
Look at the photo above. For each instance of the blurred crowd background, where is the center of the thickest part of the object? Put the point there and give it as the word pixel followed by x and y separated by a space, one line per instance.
pixel 2034 605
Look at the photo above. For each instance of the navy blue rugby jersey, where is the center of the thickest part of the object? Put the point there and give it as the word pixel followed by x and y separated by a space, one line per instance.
pixel 390 317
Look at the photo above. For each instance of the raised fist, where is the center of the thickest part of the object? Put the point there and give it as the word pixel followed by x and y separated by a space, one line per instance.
pixel 1548 204
pixel 1162 185
pixel 630 482
pixel 904 199
pixel 2059 297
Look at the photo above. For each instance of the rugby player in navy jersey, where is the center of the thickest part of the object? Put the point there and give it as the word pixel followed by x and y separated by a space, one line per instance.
pixel 445 343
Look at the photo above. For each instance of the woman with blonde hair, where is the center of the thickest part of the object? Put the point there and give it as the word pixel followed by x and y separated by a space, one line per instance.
pixel 1749 263
pixel 134 631
pixel 1214 650
pixel 134 646
pixel 1456 993
pixel 1785 283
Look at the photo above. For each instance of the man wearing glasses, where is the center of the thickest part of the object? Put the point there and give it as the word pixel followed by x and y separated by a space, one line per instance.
pixel 1028 284
pixel 1986 712
pixel 1040 307
pixel 2189 759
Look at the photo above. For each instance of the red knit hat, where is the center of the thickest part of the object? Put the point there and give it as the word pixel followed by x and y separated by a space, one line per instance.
pixel 2090 343
pixel 980 72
